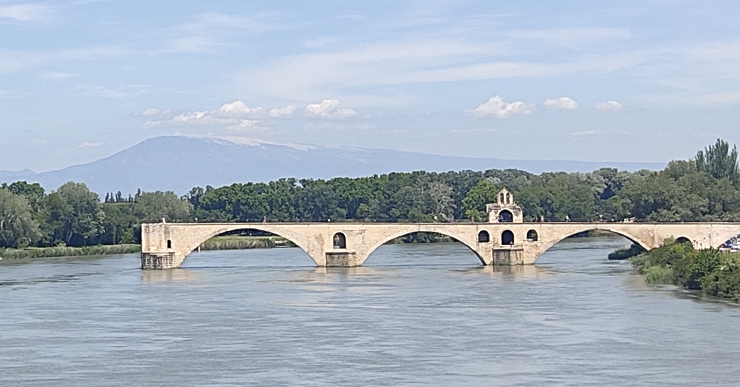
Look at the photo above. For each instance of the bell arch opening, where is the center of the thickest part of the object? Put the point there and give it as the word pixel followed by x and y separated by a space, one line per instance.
pixel 420 248
pixel 505 216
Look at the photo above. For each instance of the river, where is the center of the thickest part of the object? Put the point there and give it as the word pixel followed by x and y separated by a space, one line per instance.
pixel 414 315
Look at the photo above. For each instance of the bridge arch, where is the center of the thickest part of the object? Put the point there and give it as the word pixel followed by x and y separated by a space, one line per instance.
pixel 187 249
pixel 464 239
pixel 548 241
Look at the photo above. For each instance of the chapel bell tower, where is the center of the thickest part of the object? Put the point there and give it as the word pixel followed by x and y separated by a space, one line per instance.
pixel 505 210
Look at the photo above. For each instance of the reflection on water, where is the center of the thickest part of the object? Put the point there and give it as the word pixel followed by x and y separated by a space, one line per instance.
pixel 416 315
pixel 176 275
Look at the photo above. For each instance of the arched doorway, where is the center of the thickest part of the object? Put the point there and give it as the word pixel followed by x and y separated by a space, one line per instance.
pixel 532 236
pixel 484 237
pixel 340 241
pixel 507 238
pixel 505 216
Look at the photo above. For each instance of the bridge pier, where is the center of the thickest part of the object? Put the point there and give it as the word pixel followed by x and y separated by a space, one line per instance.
pixel 165 260
pixel 342 258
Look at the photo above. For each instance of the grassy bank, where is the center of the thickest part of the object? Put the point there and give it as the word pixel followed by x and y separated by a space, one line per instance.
pixel 711 271
pixel 65 251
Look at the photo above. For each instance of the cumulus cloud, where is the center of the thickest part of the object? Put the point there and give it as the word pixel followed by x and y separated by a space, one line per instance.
pixel 284 111
pixel 329 108
pixel 86 144
pixel 233 115
pixel 496 107
pixel 151 112
pixel 562 103
pixel 609 106
pixel 238 109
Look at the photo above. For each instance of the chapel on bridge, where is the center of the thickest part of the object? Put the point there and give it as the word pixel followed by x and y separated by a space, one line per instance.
pixel 505 210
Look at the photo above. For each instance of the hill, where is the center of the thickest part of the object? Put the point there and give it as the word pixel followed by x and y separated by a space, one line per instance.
pixel 177 163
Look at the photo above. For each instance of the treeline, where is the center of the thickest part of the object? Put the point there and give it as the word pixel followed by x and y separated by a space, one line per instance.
pixel 705 188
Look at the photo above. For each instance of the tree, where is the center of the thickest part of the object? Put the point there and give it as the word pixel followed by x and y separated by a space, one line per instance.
pixel 74 215
pixel 18 228
pixel 155 206
pixel 474 203
pixel 718 161
pixel 443 203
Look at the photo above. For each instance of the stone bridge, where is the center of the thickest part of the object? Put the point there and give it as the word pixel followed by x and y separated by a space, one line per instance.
pixel 166 245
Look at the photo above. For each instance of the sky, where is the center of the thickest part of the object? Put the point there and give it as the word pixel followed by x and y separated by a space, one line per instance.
pixel 649 81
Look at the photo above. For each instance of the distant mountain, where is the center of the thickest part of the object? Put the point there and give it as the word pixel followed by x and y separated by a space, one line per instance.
pixel 175 163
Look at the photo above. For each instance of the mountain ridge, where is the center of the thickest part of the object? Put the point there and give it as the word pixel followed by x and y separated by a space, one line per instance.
pixel 178 163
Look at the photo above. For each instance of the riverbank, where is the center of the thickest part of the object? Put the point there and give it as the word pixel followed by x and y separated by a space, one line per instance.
pixel 215 243
pixel 237 242
pixel 713 272
pixel 66 251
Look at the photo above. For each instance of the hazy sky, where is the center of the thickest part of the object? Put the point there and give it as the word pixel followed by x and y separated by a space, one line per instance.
pixel 580 80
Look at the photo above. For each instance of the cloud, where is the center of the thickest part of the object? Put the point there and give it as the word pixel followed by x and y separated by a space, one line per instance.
pixel 283 111
pixel 86 144
pixel 609 106
pixel 25 12
pixel 329 108
pixel 54 75
pixel 150 124
pixel 562 103
pixel 587 133
pixel 151 112
pixel 233 116
pixel 595 132
pixel 243 124
pixel 118 92
pixel 570 37
pixel 496 107
pixel 38 143
pixel 238 109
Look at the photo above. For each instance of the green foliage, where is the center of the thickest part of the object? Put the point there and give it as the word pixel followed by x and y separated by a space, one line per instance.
pixel 155 206
pixel 713 272
pixel 632 251
pixel 718 161
pixel 65 251
pixel 18 228
pixel 74 215
pixel 474 203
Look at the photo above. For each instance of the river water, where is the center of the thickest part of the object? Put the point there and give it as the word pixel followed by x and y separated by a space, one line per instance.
pixel 414 315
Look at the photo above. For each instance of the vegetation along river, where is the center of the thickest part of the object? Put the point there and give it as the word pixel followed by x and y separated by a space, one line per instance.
pixel 416 314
